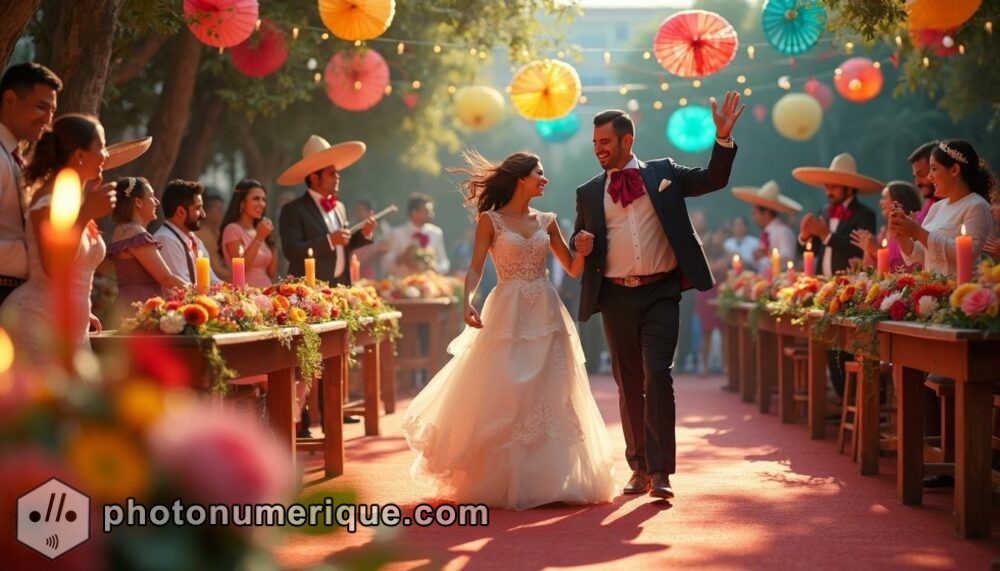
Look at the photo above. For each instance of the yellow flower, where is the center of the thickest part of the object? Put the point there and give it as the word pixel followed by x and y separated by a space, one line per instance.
pixel 995 274
pixel 139 403
pixel 109 464
pixel 296 315
pixel 960 292
pixel 872 293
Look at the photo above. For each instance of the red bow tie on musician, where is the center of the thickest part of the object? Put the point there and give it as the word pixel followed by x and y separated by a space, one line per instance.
pixel 328 202
pixel 839 212
pixel 422 239
pixel 626 186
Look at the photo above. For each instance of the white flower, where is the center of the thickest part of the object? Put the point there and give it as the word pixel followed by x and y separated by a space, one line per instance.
pixel 172 323
pixel 411 292
pixel 249 308
pixel 926 305
pixel 890 299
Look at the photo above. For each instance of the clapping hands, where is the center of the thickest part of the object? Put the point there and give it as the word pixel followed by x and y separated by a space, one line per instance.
pixel 864 240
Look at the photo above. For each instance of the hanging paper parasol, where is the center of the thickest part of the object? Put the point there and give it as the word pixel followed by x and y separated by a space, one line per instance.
pixel 941 42
pixel 695 43
pixel 478 107
pixel 558 130
pixel 819 91
pixel 356 81
pixel 940 14
pixel 545 89
pixel 793 26
pixel 691 129
pixel 357 19
pixel 221 23
pixel 859 80
pixel 263 55
pixel 797 116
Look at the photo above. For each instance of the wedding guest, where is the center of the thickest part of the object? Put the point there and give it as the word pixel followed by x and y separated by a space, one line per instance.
pixel 210 232
pixel 741 243
pixel 370 256
pixel 245 225
pixel 183 208
pixel 767 204
pixel 418 232
pixel 896 194
pixel 962 182
pixel 920 164
pixel 76 142
pixel 28 93
pixel 140 269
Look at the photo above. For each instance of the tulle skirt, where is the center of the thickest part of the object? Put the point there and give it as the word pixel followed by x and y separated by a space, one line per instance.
pixel 510 421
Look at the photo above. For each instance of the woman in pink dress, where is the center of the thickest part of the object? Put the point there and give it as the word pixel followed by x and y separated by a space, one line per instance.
pixel 907 197
pixel 244 225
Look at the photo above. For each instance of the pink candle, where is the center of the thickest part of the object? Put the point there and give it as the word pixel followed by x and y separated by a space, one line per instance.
pixel 790 274
pixel 963 257
pixel 737 265
pixel 239 270
pixel 882 266
pixel 808 260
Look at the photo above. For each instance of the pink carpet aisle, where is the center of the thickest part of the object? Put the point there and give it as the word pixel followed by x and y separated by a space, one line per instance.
pixel 752 493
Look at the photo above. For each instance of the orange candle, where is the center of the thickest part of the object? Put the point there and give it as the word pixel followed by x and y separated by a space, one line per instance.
pixel 963 257
pixel 775 263
pixel 239 270
pixel 310 267
pixel 61 237
pixel 737 265
pixel 809 260
pixel 355 268
pixel 882 265
pixel 202 273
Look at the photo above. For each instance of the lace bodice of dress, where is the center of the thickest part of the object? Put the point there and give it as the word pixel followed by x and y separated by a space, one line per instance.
pixel 515 256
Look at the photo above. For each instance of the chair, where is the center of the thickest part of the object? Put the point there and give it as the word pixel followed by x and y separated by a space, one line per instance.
pixel 852 381
pixel 944 451
pixel 800 379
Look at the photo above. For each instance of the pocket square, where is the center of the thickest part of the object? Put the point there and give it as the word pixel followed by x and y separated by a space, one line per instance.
pixel 663 185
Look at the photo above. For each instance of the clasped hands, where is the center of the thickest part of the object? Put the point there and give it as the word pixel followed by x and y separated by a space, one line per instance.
pixel 813 225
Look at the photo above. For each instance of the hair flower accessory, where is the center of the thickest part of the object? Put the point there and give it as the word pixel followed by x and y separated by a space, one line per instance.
pixel 954 153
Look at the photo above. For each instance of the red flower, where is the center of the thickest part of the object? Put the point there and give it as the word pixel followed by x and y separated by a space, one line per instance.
pixel 172 305
pixel 422 239
pixel 195 315
pixel 905 281
pixel 897 311
pixel 156 360
pixel 934 290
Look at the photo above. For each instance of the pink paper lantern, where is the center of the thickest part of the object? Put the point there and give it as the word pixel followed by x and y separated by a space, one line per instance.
pixel 356 81
pixel 759 113
pixel 859 80
pixel 262 56
pixel 221 23
pixel 820 91
pixel 411 100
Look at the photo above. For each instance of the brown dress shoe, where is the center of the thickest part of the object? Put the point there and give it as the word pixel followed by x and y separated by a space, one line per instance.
pixel 660 486
pixel 638 483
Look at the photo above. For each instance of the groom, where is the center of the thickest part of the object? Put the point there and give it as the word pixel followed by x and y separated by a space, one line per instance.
pixel 642 252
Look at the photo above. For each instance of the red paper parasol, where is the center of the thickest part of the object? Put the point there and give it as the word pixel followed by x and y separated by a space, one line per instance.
pixel 820 91
pixel 221 23
pixel 941 42
pixel 261 56
pixel 356 81
pixel 695 43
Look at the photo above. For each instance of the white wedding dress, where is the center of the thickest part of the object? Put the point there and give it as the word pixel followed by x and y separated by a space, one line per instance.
pixel 510 421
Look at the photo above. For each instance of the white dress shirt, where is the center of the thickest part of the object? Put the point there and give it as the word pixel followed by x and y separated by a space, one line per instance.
pixel 943 223
pixel 13 248
pixel 744 247
pixel 779 236
pixel 332 224
pixel 177 255
pixel 402 238
pixel 637 244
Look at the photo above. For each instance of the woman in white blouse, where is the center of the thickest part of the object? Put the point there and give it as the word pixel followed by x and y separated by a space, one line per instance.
pixel 962 182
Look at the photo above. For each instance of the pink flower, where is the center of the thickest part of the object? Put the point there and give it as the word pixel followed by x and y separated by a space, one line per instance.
pixel 981 301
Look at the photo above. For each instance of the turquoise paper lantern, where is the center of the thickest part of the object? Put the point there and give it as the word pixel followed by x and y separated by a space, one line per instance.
pixel 691 129
pixel 558 130
pixel 793 26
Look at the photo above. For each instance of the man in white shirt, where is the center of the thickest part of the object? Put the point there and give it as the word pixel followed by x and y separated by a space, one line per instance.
pixel 768 202
pixel 28 96
pixel 741 243
pixel 184 212
pixel 418 232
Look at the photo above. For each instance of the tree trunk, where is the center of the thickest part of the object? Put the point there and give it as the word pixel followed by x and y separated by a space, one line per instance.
pixel 133 62
pixel 173 110
pixel 16 15
pixel 198 142
pixel 263 166
pixel 81 52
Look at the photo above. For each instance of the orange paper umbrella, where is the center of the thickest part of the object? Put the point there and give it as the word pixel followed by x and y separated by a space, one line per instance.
pixel 357 19
pixel 939 14
pixel 356 81
pixel 221 23
pixel 545 89
pixel 695 43
pixel 263 55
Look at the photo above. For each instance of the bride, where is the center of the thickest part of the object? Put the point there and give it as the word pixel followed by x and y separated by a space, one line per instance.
pixel 510 421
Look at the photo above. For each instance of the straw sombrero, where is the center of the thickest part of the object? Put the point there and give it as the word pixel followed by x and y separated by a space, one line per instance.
pixel 126 152
pixel 318 154
pixel 768 196
pixel 843 171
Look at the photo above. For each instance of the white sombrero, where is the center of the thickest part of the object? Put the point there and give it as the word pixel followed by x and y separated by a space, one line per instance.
pixel 318 154
pixel 126 151
pixel 843 171
pixel 768 196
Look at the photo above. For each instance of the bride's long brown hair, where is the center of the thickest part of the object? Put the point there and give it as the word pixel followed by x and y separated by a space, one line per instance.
pixel 490 186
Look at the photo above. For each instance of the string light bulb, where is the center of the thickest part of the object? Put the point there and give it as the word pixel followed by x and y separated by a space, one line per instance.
pixel 583 100
pixel 988 26
pixel 664 86
pixel 748 92
pixel 257 24
pixel 416 84
pixel 324 36
pixel 623 90
pixel 899 41
pixel 657 105
pixel 751 51
pixel 696 83
pixel 646 55
pixel 400 48
pixel 312 64
pixel 357 43
pixel 849 47
pixel 607 58
pixel 388 89
pixel 560 54
pixel 682 101
pixel 452 89
pixel 357 85
pixel 295 33
pixel 784 83
pixel 961 49
pixel 927 61
pixel 317 77
pixel 473 51
pixel 877 64
pixel 741 79
pixel 437 49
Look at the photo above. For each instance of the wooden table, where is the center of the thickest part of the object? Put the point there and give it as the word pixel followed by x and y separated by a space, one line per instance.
pixel 441 318
pixel 973 360
pixel 262 353
pixel 775 334
pixel 746 355
pixel 730 335
pixel 378 364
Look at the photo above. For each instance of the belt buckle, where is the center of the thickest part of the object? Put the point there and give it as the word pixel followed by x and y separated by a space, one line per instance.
pixel 631 281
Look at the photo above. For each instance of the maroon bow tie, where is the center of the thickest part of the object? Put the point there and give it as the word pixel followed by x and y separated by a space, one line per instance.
pixel 422 239
pixel 839 212
pixel 328 202
pixel 765 242
pixel 626 185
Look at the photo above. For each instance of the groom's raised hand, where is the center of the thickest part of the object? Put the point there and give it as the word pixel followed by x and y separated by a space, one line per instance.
pixel 725 117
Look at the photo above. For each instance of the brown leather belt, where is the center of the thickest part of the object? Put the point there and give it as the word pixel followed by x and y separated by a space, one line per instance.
pixel 7 281
pixel 636 281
